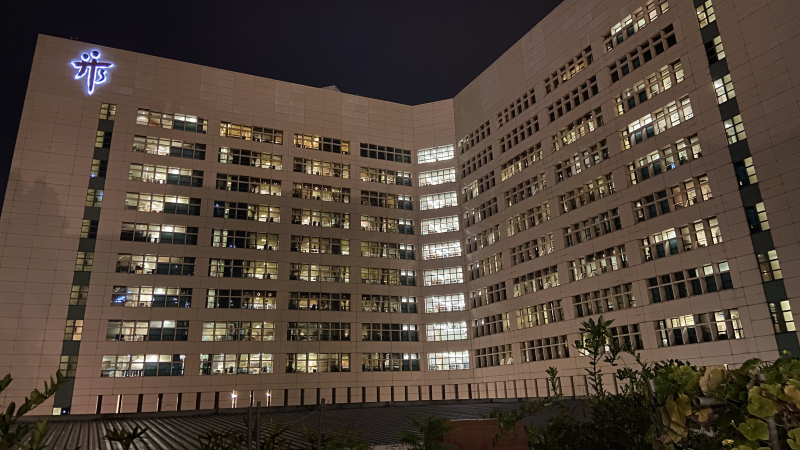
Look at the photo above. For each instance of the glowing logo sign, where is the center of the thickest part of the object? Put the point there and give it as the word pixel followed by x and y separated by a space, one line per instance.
pixel 92 69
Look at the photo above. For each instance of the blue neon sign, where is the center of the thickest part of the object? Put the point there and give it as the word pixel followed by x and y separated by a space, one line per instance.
pixel 94 70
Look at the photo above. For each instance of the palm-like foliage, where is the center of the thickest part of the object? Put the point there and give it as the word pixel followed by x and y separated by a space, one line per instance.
pixel 428 434
pixel 12 432
pixel 125 437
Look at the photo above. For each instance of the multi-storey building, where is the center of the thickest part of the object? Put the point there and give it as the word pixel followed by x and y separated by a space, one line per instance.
pixel 182 237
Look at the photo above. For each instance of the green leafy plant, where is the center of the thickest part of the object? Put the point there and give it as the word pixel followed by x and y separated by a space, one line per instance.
pixel 225 440
pixel 26 436
pixel 125 437
pixel 428 433
pixel 348 439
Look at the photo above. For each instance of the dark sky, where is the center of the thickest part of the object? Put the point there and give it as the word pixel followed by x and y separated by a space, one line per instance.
pixel 412 51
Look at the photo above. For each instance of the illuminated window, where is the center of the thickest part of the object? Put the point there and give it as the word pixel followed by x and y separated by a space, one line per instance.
pixel 724 89
pixel 436 177
pixel 216 331
pixel 321 168
pixel 390 362
pixel 89 229
pixel 705 14
pixel 251 133
pixel 171 121
pixel 147 330
pixel 714 50
pixel 155 264
pixel 261 160
pixel 151 296
pixel 734 129
pixel 745 172
pixel 434 154
pixel 240 299
pixel 68 366
pixel 441 250
pixel 108 111
pixel 94 198
pixel 157 203
pixel 83 263
pixel 445 303
pixel 450 275
pixel 317 362
pixel 782 318
pixel 440 225
pixel 770 266
pixel 448 360
pixel 238 268
pixel 235 363
pixel 165 175
pixel 320 143
pixel 73 330
pixel 317 218
pixel 757 217
pixel 169 147
pixel 78 295
pixel 122 366
pixel 158 233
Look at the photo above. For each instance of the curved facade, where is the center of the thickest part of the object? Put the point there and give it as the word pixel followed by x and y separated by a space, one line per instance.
pixel 191 238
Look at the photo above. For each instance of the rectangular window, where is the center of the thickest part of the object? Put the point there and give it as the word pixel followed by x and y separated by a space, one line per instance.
pixel 388 304
pixel 387 225
pixel 488 295
pixel 389 332
pixel 158 203
pixel 445 303
pixel 171 121
pixel 320 143
pixel 643 53
pixel 165 175
pixel 387 250
pixel 385 153
pixel 89 229
pixel 483 131
pixel 536 281
pixel 236 363
pixel 244 239
pixel 108 111
pixel 486 326
pixel 103 139
pixel 714 50
pixel 568 70
pixel 581 161
pixel 253 185
pixel 440 225
pixel 493 356
pixel 528 219
pixel 657 122
pixel 94 198
pixel 251 133
pixel 169 147
pixel 545 349
pixel 705 14
pixel 434 154
pixel 577 129
pixel 390 362
pixel 514 109
pixel 78 295
pixel 435 177
pixel 590 192
pixel 329 246
pixel 147 330
pixel 247 211
pixel 541 314
pixel 438 201
pixel 448 360
pixel 68 366
pixel 250 158
pixel 151 297
pixel 123 366
pixel 483 239
pixel 525 189
pixel 155 265
pixel 240 299
pixel 317 218
pixel 317 362
pixel 386 176
pixel 782 318
pixel 604 300
pixel 216 331
pixel 745 172
pixel 321 192
pixel 322 301
pixel 238 268
pixel 99 168
pixel 320 273
pixel 770 266
pixel 158 233
pixel 384 200
pixel 698 234
pixel 693 329
pixel 724 89
pixel 392 277
pixel 449 275
pixel 521 161
pixel 734 129
pixel 674 198
pixel 532 249
pixel 441 250
pixel 73 330
pixel 321 168
pixel 83 262
pixel 757 217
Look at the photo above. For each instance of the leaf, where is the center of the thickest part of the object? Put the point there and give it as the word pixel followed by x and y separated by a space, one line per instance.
pixel 754 430
pixel 761 407
pixel 702 415
pixel 793 393
pixel 794 439
pixel 714 377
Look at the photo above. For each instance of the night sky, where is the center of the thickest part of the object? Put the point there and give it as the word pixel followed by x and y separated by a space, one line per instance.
pixel 409 51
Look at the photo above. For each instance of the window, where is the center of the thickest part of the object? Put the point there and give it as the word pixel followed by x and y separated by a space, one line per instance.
pixel 745 172
pixel 477 161
pixel 478 187
pixel 698 234
pixel 441 250
pixel 390 362
pixel 73 330
pixel 649 87
pixel 330 246
pixel 235 363
pixel 384 200
pixel 525 189
pixel 604 300
pixel 389 332
pixel 657 122
pixel 573 99
pixel 317 362
pixel 714 50
pixel 388 304
pixel 480 133
pixel 241 157
pixel 78 295
pixel 497 323
pixel 487 295
pixel 317 331
pixel 321 168
pixel 628 336
pixel 757 217
pixel 689 282
pixel 571 68
pixel 89 229
pixel 386 176
pixel 147 330
pixel 448 360
pixel 734 129
pixel 251 133
pixel 387 225
pixel 674 198
pixel 154 264
pixel 123 366
pixel 480 212
pixel 320 192
pixel 317 218
pixel 238 331
pixel 68 366
pixel 436 177
pixel 724 89
pixel 238 268
pixel 392 277
pixel 99 168
pixel 692 329
pixel 519 134
pixel 324 144
pixel 83 262
pixel 434 154
pixel 387 250
pixel 577 129
pixel 663 160
pixel 242 183
pixel 169 147
pixel 440 225
pixel 445 303
pixel 545 349
pixel 325 274
pixel 94 198
pixel 532 249
pixel 247 211
pixel 528 219
pixel 483 239
pixel 634 22
pixel 108 111
pixel 643 53
pixel 485 266
pixel 598 263
pixel 705 14
pixel 385 153
pixel 158 233
pixel 536 281
pixel 592 228
pixel 157 203
pixel 151 297
pixel 171 121
pixel 244 239
pixel 541 314
pixel 322 301
pixel 493 356
pixel 511 111
pixel 103 139
pixel 240 299
pixel 581 161
pixel 165 175
pixel 770 266
pixel 451 331
pixel 782 318
pixel 450 275
pixel 438 201
pixel 590 192
pixel 521 161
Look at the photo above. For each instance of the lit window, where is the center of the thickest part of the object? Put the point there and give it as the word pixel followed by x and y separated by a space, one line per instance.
pixel 434 154
pixel 782 318
pixel 444 303
pixel 83 263
pixel 448 360
pixel 73 330
pixel 94 198
pixel 68 366
pixel 734 129
pixel 745 172
pixel 757 217
pixel 724 89
pixel 705 14
pixel 770 266
pixel 108 111
pixel 714 50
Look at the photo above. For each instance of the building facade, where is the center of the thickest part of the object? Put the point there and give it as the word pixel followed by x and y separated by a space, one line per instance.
pixel 178 237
